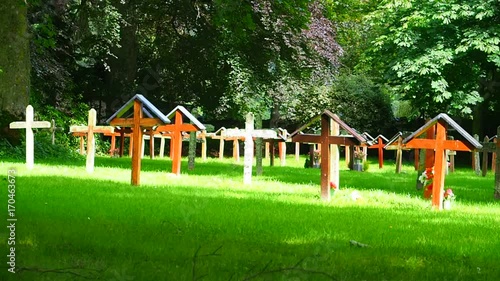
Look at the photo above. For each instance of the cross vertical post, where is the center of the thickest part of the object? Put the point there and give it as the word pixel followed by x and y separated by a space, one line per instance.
pixel 176 142
pixel 325 158
pixel 136 143
pixel 248 158
pixel 335 156
pixel 440 167
pixel 91 141
pixel 29 125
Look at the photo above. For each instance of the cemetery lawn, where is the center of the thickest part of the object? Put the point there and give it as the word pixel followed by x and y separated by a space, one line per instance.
pixel 206 225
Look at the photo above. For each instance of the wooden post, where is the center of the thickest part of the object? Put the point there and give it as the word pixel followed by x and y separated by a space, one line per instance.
pixel 53 131
pixel 131 144
pixel 136 141
pixel 494 157
pixel 142 147
pixel 82 145
pixel 29 125
pixel 347 156
pixel 91 141
pixel 297 151
pixel 335 156
pixel 429 153
pixel 122 141
pixel 236 150
pixel 176 142
pixel 248 160
pixel 380 153
pixel 271 152
pixel 151 144
pixel 204 145
pixel 476 160
pixel 399 155
pixel 325 158
pixel 439 168
pixel 485 159
pixel 162 147
pixel 221 147
pixel 113 145
pixel 266 154
pixel 282 153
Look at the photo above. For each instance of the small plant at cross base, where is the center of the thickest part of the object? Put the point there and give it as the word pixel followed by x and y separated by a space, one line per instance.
pixel 448 197
pixel 426 179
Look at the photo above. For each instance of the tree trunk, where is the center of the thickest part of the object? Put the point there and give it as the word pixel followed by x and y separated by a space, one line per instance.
pixel 14 60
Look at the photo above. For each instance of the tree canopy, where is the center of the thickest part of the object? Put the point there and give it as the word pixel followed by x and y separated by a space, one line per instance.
pixel 442 56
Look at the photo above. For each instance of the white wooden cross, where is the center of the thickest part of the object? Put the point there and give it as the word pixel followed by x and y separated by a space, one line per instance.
pixel 29 125
pixel 90 129
pixel 248 161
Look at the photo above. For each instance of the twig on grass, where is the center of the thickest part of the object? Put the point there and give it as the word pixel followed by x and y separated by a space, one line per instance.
pixel 69 270
pixel 195 259
pixel 295 267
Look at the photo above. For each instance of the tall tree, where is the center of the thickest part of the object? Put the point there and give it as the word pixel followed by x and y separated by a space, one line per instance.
pixel 14 58
pixel 439 55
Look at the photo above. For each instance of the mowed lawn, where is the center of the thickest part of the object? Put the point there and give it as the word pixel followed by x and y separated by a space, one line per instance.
pixel 207 225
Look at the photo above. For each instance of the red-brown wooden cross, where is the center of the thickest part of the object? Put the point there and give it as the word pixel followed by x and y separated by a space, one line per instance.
pixel 380 146
pixel 439 144
pixel 176 130
pixel 330 129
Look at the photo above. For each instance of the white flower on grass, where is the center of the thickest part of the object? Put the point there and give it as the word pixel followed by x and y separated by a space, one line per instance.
pixel 355 195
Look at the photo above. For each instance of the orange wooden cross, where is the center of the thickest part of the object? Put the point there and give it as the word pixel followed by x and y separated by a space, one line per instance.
pixel 329 139
pixel 380 146
pixel 141 106
pixel 439 144
pixel 175 130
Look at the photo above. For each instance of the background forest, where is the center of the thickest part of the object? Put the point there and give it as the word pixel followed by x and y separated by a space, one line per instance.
pixel 383 66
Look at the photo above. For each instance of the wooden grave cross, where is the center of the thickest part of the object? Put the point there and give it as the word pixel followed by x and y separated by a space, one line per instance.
pixel 176 130
pixel 329 139
pixel 380 139
pixel 440 144
pixel 396 143
pixel 489 146
pixel 29 125
pixel 138 122
pixel 90 130
pixel 53 130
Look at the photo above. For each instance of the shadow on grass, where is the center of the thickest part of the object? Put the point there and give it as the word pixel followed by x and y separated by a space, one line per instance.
pixel 157 232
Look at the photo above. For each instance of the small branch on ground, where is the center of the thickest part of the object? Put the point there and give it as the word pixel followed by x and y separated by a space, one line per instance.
pixel 85 273
pixel 195 259
pixel 296 267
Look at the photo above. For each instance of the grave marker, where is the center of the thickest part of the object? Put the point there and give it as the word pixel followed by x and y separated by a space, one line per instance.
pixel 329 139
pixel 248 160
pixel 29 125
pixel 379 144
pixel 176 130
pixel 439 144
pixel 141 106
pixel 89 131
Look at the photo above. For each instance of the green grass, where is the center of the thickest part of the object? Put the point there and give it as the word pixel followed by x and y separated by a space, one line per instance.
pixel 207 225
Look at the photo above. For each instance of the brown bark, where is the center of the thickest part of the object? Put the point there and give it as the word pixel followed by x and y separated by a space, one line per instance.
pixel 14 60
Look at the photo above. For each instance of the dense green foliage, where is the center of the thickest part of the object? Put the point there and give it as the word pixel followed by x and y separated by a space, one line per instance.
pixel 440 55
pixel 204 225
